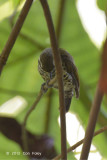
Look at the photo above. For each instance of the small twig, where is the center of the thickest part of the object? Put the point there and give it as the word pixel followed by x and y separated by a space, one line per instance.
pixel 102 88
pixel 24 135
pixel 59 74
pixel 58 33
pixel 91 124
pixel 103 74
pixel 60 18
pixel 13 36
pixel 81 141
pixel 38 99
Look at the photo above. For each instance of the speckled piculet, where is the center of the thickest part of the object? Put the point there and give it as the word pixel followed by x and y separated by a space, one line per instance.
pixel 46 67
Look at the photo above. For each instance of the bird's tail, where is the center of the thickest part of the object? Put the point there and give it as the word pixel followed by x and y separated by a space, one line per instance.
pixel 67 103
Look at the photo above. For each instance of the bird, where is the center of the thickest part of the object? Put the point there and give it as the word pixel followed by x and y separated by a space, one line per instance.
pixel 46 68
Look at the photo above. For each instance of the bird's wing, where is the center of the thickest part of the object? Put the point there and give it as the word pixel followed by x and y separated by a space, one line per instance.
pixel 70 67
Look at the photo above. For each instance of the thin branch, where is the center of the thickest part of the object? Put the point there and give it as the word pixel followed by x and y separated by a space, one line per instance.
pixel 91 124
pixel 81 141
pixel 59 73
pixel 96 105
pixel 14 34
pixel 103 74
pixel 48 112
pixel 58 33
pixel 60 18
pixel 24 134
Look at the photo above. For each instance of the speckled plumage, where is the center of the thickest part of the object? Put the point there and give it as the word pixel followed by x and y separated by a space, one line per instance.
pixel 46 68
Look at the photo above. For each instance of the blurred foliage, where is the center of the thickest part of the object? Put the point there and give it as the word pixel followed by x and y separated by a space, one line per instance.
pixel 21 73
pixel 7 7
pixel 102 4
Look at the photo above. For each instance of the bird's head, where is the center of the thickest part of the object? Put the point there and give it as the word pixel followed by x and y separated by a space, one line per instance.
pixel 46 60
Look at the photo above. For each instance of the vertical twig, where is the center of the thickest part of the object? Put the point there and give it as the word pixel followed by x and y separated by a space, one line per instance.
pixel 91 124
pixel 102 88
pixel 13 36
pixel 58 66
pixel 24 133
pixel 58 33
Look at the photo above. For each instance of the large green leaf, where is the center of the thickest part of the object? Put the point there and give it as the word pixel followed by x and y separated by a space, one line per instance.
pixel 102 4
pixel 7 7
pixel 21 74
pixel 10 150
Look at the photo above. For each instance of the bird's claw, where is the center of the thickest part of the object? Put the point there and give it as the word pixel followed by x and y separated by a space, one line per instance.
pixel 45 86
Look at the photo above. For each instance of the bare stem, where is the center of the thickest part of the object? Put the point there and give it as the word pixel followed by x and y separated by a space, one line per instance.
pixel 81 141
pixel 24 134
pixel 58 66
pixel 91 124
pixel 14 34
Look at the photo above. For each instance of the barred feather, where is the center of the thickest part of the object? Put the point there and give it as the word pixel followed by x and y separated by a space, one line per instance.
pixel 46 68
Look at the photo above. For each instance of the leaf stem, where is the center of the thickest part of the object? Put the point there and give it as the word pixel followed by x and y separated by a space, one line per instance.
pixel 14 34
pixel 58 66
pixel 24 133
pixel 91 124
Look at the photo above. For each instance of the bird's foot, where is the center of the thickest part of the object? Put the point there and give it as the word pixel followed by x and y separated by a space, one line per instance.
pixel 45 86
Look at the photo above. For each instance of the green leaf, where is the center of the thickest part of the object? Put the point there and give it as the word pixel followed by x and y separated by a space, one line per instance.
pixel 102 4
pixel 15 2
pixel 10 150
pixel 20 75
pixel 7 7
